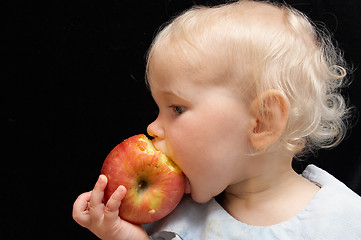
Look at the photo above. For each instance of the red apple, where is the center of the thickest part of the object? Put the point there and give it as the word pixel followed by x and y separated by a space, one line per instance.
pixel 155 185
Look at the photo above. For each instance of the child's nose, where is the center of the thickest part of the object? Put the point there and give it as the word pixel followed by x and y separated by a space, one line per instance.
pixel 155 129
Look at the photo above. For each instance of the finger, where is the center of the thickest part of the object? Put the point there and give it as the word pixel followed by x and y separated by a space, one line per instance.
pixel 81 203
pixel 112 208
pixel 98 192
pixel 79 208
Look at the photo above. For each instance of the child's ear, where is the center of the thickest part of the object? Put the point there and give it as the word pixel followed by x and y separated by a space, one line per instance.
pixel 269 115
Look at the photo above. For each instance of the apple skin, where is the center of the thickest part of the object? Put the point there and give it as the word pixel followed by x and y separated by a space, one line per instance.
pixel 155 185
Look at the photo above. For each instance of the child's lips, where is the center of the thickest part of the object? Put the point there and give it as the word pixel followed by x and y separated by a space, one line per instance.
pixel 158 146
pixel 187 186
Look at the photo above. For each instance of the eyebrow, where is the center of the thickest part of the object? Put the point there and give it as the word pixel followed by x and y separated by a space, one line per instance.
pixel 173 94
pixel 169 92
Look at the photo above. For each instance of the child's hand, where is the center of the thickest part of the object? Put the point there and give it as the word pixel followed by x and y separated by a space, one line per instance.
pixel 103 220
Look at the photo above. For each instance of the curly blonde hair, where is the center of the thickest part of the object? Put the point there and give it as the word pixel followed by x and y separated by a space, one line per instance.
pixel 259 46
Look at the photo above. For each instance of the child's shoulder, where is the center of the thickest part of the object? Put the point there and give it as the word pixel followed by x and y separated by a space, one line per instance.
pixel 334 200
pixel 334 212
pixel 330 186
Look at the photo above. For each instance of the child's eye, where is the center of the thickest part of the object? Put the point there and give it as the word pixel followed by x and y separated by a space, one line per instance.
pixel 178 109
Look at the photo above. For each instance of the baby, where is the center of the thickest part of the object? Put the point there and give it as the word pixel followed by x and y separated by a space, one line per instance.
pixel 242 89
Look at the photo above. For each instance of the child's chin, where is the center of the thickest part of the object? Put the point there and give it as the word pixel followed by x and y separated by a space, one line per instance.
pixel 199 198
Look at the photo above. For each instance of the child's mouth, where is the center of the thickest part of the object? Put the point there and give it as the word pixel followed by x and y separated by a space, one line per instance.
pixel 187 186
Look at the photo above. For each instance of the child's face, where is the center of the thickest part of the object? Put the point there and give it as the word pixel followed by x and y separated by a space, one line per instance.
pixel 203 128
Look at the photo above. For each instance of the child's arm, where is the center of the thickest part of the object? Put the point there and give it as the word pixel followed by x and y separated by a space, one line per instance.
pixel 103 220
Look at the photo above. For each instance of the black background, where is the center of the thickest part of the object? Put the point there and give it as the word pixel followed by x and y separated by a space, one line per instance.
pixel 73 86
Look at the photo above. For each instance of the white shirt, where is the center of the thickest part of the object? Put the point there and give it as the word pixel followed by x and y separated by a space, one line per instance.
pixel 333 214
